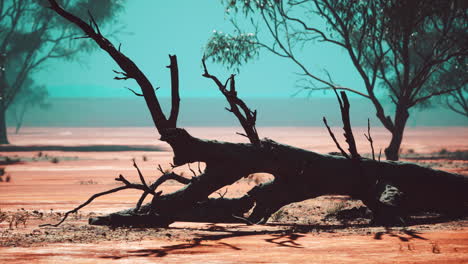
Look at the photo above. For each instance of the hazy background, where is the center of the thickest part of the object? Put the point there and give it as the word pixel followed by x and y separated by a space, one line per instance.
pixel 83 93
pixel 199 111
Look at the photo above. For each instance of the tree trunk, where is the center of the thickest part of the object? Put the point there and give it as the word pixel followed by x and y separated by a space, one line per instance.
pixel 393 150
pixel 3 126
pixel 390 189
pixel 3 86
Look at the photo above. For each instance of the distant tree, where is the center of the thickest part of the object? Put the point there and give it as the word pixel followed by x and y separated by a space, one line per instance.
pixel 31 96
pixel 31 36
pixel 457 101
pixel 400 46
pixel 455 77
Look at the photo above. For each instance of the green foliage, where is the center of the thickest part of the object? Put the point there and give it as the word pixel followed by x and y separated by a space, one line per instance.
pixel 248 6
pixel 414 49
pixel 231 50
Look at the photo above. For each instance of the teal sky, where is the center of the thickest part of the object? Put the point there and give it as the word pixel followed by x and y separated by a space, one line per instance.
pixel 182 27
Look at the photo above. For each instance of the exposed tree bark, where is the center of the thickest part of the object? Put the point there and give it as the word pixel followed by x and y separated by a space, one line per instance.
pixel 389 189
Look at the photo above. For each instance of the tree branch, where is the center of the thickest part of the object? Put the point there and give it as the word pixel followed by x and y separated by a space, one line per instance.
pixel 348 134
pixel 126 64
pixel 334 139
pixel 369 138
pixel 248 118
pixel 174 91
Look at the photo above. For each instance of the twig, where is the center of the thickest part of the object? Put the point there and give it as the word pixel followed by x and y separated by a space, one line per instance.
pixel 121 178
pixel 334 139
pixel 199 169
pixel 247 118
pixel 85 203
pixel 369 138
pixel 133 91
pixel 243 219
pixel 221 195
pixel 193 172
pixel 142 179
pixel 161 169
pixel 124 74
pixel 94 23
pixel 82 37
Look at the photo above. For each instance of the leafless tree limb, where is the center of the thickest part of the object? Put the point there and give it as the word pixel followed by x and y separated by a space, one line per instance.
pixel 246 117
pixel 369 138
pixel 334 139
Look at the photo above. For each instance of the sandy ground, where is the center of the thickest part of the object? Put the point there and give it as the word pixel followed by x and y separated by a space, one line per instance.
pixel 49 183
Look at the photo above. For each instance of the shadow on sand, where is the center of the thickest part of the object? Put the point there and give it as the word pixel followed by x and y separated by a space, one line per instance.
pixel 288 235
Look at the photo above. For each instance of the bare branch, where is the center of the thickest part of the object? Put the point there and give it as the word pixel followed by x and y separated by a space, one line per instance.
pixel 221 195
pixel 191 170
pixel 246 117
pixel 85 203
pixel 125 76
pixel 424 98
pixel 369 138
pixel 142 179
pixel 174 91
pixel 334 139
pixel 93 22
pixel 126 64
pixel 339 88
pixel 122 179
pixel 133 91
pixel 348 132
pixel 152 188
pixel 199 169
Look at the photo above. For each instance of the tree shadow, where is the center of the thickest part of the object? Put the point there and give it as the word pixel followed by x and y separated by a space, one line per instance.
pixel 407 235
pixel 288 236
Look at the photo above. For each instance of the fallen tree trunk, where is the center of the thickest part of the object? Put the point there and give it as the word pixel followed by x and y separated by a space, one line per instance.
pixel 390 189
pixel 299 175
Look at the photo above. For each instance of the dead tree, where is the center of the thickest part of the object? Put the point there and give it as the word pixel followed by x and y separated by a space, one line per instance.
pixel 390 189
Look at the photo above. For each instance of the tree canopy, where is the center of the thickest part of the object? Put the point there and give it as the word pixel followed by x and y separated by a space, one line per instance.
pixel 30 36
pixel 405 47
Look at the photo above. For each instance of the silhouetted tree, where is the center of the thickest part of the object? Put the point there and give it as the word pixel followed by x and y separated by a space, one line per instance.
pixel 458 102
pixel 31 96
pixel 454 76
pixel 398 45
pixel 390 189
pixel 30 36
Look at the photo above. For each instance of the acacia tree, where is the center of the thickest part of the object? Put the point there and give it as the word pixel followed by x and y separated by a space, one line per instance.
pixel 399 45
pixel 31 36
pixel 389 189
pixel 32 95
pixel 458 102
pixel 455 76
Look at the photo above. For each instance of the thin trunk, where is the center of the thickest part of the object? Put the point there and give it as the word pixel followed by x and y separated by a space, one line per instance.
pixel 3 85
pixel 19 120
pixel 3 126
pixel 393 149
